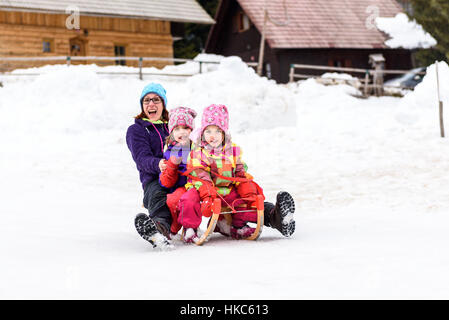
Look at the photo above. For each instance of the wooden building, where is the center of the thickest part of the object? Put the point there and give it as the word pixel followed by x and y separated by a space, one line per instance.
pixel 140 28
pixel 339 33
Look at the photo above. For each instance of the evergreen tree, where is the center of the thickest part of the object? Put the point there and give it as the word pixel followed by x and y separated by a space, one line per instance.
pixel 195 35
pixel 433 15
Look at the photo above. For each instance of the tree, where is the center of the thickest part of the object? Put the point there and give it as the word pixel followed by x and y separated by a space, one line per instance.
pixel 433 15
pixel 195 35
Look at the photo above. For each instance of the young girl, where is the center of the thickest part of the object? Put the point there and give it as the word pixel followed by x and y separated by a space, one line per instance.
pixel 213 156
pixel 177 148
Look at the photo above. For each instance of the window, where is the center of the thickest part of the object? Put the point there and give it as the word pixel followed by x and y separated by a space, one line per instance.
pixel 406 5
pixel 47 45
pixel 340 63
pixel 243 22
pixel 119 51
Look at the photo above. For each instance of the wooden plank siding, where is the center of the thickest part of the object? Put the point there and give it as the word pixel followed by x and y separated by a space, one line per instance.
pixel 23 33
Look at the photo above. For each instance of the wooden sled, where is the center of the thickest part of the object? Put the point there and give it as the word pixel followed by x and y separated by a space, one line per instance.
pixel 218 210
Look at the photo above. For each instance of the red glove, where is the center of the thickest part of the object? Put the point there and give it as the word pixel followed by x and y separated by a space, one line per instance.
pixel 207 194
pixel 170 175
pixel 247 189
pixel 206 207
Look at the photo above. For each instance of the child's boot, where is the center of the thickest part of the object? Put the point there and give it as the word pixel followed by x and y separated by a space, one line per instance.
pixel 280 216
pixel 223 227
pixel 189 235
pixel 242 232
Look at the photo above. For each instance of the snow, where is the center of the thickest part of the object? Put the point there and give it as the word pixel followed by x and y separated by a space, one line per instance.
pixel 336 75
pixel 405 33
pixel 369 178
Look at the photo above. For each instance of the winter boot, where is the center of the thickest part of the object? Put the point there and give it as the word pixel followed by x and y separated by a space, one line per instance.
pixel 151 231
pixel 189 235
pixel 241 233
pixel 280 216
pixel 223 227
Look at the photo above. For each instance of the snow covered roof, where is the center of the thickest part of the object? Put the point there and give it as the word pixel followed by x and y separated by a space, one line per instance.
pixel 322 23
pixel 171 10
pixel 405 33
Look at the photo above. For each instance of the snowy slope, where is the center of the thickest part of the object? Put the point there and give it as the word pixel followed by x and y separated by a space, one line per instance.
pixel 369 177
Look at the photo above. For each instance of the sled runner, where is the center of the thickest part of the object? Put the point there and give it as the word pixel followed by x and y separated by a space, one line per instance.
pixel 218 210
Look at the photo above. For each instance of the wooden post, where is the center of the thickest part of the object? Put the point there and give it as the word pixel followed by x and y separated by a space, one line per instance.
pixel 201 67
pixel 292 73
pixel 262 41
pixel 68 61
pixel 440 103
pixel 365 90
pixel 140 68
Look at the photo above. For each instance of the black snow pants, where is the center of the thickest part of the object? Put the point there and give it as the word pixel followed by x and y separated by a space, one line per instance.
pixel 154 199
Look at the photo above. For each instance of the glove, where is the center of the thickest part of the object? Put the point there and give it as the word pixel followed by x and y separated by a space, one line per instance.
pixel 207 189
pixel 169 176
pixel 207 194
pixel 206 207
pixel 247 190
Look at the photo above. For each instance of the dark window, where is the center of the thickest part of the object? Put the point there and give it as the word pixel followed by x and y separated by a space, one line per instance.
pixel 243 22
pixel 340 63
pixel 47 46
pixel 119 51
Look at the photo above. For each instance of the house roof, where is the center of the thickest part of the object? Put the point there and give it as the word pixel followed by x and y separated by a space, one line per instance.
pixel 171 10
pixel 322 23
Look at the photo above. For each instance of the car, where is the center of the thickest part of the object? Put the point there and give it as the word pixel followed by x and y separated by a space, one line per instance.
pixel 408 80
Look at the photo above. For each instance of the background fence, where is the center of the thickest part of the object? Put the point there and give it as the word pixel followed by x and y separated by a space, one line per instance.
pixel 118 61
pixel 368 83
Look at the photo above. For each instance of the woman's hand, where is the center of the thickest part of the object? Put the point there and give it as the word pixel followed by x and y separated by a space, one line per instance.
pixel 162 165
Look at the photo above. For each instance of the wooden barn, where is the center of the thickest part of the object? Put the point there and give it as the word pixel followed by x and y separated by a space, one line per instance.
pixel 338 33
pixel 139 28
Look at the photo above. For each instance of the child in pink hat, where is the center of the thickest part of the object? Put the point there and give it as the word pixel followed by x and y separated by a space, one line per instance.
pixel 213 157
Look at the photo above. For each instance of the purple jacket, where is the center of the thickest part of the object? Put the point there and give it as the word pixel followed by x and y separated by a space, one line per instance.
pixel 146 140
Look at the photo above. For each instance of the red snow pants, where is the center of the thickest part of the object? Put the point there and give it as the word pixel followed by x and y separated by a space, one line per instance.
pixel 172 203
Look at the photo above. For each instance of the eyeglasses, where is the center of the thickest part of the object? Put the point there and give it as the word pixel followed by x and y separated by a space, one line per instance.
pixel 156 100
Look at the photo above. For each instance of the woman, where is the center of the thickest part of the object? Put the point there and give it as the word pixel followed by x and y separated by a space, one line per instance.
pixel 145 139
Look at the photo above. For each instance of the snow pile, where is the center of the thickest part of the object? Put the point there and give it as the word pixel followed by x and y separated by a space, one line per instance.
pixel 405 33
pixel 70 99
pixel 340 76
pixel 87 101
pixel 425 98
pixel 253 102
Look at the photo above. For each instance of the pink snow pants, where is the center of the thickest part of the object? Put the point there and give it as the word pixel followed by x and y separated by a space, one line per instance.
pixel 190 210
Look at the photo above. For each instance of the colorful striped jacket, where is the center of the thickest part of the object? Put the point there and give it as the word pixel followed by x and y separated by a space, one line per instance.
pixel 206 164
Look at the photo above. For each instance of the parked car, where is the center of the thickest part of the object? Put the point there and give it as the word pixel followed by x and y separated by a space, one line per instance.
pixel 408 80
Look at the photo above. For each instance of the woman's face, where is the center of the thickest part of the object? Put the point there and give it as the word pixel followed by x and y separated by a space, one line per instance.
pixel 213 135
pixel 153 106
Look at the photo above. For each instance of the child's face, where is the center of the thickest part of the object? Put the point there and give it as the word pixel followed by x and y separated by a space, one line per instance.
pixel 181 134
pixel 213 135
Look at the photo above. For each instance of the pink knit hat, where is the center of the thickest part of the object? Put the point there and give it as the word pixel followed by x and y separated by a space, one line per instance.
pixel 181 116
pixel 215 115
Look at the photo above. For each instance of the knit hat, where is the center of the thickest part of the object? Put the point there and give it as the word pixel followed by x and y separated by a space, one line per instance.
pixel 215 115
pixel 181 116
pixel 154 88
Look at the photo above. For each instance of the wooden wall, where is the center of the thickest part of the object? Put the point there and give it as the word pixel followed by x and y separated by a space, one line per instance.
pixel 23 33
